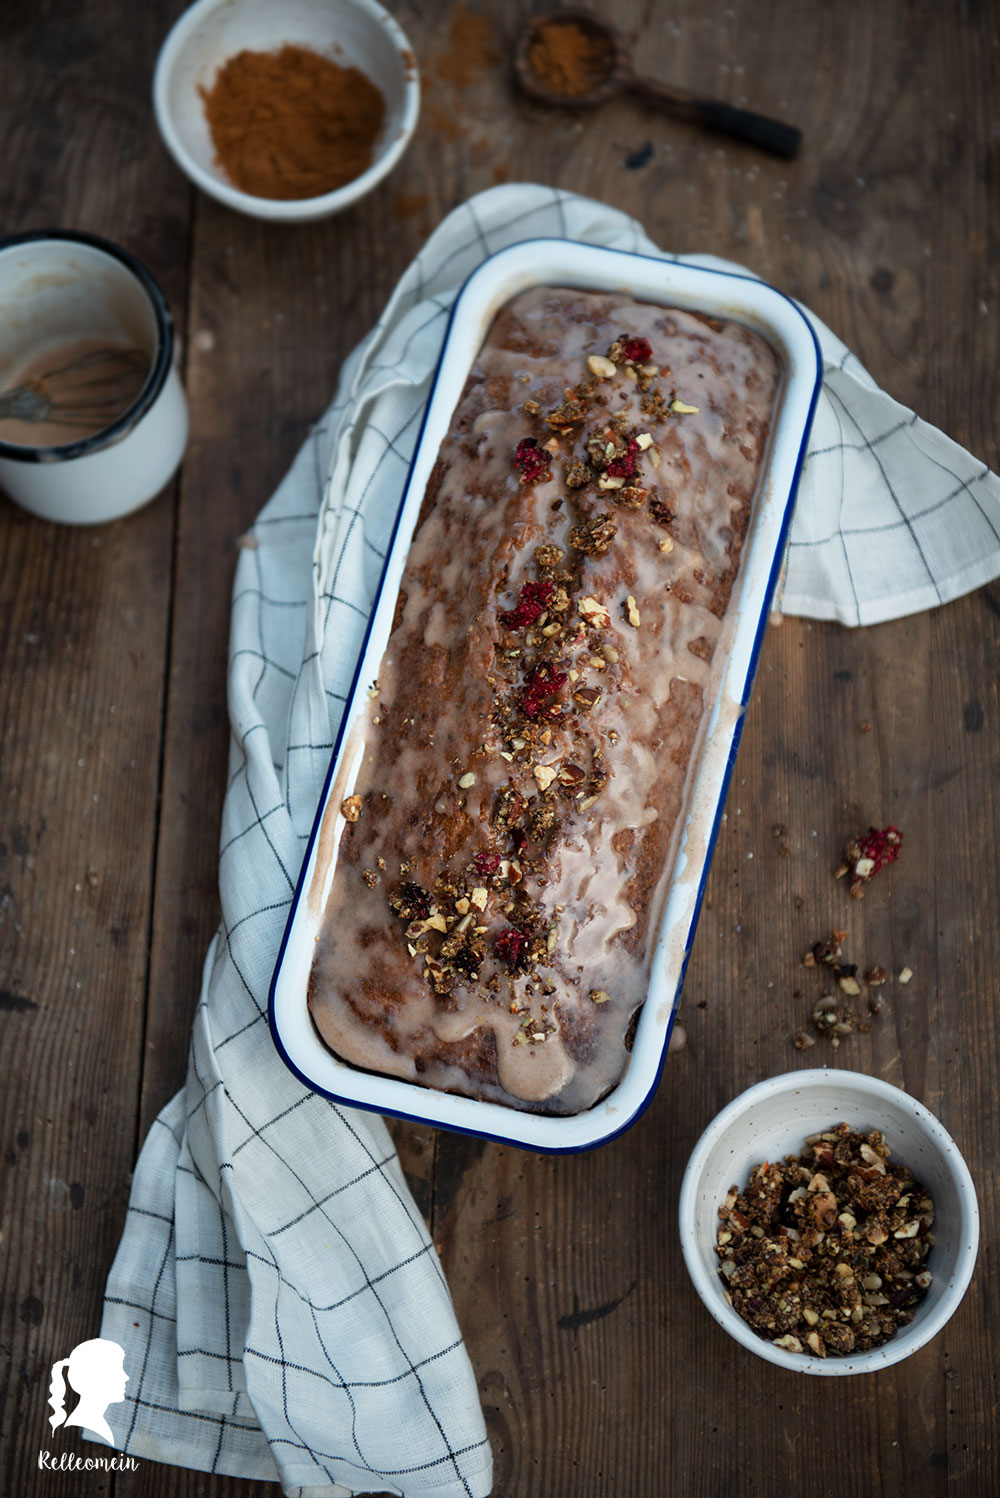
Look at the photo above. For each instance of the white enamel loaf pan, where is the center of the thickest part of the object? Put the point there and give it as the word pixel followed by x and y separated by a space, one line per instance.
pixel 496 281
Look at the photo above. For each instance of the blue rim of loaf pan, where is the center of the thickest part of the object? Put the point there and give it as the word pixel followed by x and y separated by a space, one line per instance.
pixel 414 1115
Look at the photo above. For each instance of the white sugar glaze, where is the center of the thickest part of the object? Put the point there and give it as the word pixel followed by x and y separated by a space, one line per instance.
pixel 593 886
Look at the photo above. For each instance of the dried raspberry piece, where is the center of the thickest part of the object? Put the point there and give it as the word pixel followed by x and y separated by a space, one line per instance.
pixel 509 947
pixel 624 465
pixel 637 350
pixel 881 847
pixel 866 855
pixel 531 604
pixel 542 684
pixel 486 863
pixel 532 460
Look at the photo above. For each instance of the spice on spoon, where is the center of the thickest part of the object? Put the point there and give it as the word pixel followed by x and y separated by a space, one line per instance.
pixel 292 124
pixel 569 58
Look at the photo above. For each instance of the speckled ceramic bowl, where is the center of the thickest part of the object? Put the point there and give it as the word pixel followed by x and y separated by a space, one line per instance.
pixel 353 33
pixel 774 1119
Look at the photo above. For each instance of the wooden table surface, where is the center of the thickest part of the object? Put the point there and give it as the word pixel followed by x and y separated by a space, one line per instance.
pixel 600 1371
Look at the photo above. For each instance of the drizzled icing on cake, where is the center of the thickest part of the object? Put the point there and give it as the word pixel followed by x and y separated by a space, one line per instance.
pixel 541 700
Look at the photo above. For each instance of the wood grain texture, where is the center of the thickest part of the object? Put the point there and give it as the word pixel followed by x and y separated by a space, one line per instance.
pixel 82 676
pixel 599 1370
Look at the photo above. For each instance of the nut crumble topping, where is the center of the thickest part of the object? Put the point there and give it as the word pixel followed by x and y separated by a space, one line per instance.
pixel 824 1253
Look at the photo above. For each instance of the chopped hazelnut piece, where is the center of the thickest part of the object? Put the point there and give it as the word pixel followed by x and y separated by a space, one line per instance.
pixel 632 612
pixel 351 808
pixel 545 774
pixel 572 775
pixel 601 367
pixel 905 975
pixel 467 780
pixel 598 996
pixel 594 612
pixel 681 408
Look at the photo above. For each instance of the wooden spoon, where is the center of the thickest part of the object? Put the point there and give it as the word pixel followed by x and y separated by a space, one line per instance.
pixel 601 69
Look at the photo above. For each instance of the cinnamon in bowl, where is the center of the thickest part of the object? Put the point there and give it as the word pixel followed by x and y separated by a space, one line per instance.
pixel 292 124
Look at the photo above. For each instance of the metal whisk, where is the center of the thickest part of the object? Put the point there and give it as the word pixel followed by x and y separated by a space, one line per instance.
pixel 90 391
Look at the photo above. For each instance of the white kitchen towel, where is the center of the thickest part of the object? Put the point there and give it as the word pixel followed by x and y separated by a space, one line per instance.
pixel 280 1304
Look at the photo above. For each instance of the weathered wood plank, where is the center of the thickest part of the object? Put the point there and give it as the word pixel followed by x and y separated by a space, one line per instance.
pixel 82 678
pixel 82 658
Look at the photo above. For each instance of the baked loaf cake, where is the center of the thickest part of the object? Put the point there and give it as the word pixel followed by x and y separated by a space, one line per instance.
pixel 508 842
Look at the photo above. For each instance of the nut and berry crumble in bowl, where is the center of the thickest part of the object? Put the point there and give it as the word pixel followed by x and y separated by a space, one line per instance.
pixel 504 879
pixel 828 1222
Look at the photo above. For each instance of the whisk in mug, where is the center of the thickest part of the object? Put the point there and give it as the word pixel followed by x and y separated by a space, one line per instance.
pixel 71 390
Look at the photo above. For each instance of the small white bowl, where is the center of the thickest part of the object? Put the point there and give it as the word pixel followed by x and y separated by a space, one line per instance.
pixel 353 33
pixel 774 1119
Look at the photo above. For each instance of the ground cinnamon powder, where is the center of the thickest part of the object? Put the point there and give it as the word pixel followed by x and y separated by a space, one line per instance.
pixel 471 49
pixel 292 124
pixel 569 59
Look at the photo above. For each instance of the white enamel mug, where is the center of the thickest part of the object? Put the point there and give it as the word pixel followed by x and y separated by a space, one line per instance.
pixel 61 287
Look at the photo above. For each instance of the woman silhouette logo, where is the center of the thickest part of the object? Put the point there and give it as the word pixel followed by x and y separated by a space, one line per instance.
pixel 96 1371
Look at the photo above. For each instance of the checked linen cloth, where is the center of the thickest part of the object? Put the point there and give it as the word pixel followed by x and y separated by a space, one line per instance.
pixel 280 1304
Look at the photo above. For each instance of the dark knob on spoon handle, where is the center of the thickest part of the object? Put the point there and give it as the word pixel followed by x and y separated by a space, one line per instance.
pixel 771 135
